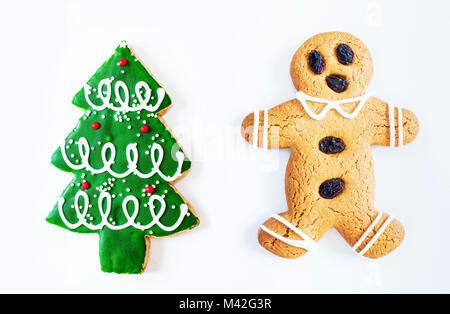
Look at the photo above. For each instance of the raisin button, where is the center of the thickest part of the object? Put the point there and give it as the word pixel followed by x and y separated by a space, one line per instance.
pixel 331 145
pixel 331 188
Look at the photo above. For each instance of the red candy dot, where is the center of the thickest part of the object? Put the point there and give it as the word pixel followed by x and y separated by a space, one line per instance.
pixel 145 129
pixel 95 125
pixel 85 185
pixel 123 62
pixel 149 189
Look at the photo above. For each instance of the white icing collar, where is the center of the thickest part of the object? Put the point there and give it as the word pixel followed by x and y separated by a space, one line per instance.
pixel 332 104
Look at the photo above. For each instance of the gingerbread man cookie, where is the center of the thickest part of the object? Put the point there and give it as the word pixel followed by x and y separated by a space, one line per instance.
pixel 330 126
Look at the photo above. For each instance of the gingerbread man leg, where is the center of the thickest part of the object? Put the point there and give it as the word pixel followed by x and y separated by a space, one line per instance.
pixel 370 232
pixel 293 233
pixel 375 238
pixel 281 237
pixel 373 234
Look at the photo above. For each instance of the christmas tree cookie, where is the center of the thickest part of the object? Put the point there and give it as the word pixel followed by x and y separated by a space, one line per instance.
pixel 124 159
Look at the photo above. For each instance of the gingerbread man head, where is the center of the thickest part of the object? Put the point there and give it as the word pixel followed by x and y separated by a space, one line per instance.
pixel 334 66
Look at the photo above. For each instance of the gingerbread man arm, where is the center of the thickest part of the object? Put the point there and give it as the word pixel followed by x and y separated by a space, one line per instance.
pixel 272 127
pixel 388 121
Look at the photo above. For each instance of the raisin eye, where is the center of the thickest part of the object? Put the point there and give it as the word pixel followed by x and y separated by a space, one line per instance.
pixel 344 54
pixel 316 62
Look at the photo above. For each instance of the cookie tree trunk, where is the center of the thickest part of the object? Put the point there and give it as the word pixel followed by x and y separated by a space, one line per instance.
pixel 127 258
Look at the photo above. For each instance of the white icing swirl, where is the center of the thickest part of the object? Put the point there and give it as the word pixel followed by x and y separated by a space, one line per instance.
pixel 104 90
pixel 132 155
pixel 105 197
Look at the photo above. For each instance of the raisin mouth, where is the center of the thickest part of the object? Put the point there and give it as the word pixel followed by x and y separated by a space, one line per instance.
pixel 337 83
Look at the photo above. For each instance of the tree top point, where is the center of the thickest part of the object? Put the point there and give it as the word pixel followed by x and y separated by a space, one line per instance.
pixel 123 44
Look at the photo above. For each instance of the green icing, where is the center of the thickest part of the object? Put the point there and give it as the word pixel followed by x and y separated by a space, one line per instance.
pixel 124 250
pixel 134 72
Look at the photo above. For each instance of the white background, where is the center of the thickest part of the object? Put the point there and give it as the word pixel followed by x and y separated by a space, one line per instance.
pixel 219 61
